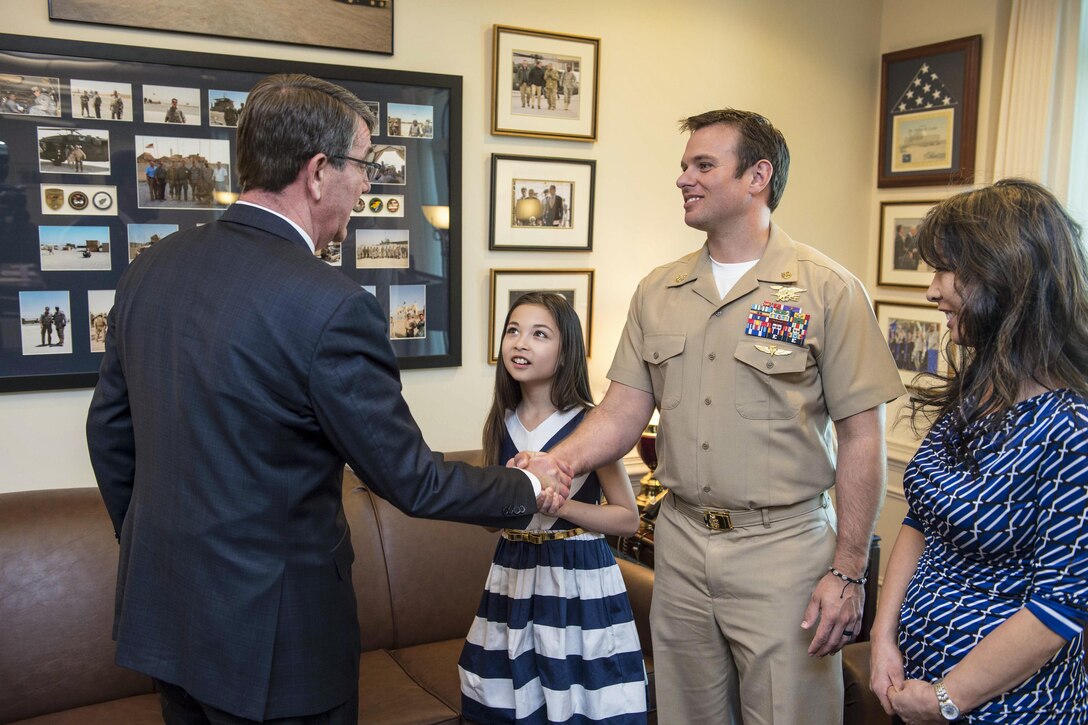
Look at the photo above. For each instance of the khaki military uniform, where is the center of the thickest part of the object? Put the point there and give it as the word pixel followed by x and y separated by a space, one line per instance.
pixel 748 388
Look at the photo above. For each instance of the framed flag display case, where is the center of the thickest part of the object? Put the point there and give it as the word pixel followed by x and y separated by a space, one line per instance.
pixel 106 150
pixel 929 114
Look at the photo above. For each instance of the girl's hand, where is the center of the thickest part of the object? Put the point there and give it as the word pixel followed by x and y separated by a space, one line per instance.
pixel 916 702
pixel 885 670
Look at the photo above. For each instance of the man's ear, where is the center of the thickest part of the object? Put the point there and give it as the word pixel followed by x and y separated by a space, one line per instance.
pixel 762 171
pixel 316 170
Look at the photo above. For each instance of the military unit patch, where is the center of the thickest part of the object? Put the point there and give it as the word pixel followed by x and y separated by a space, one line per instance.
pixel 777 321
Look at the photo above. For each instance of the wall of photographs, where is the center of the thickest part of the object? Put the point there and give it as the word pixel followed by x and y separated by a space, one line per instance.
pixel 106 150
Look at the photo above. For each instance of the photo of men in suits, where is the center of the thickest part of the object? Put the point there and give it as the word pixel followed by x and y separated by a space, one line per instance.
pixel 234 588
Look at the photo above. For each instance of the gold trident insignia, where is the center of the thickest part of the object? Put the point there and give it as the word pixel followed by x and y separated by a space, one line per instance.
pixel 787 294
pixel 773 350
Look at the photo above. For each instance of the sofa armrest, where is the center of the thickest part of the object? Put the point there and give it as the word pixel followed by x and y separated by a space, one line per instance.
pixel 640 590
pixel 860 705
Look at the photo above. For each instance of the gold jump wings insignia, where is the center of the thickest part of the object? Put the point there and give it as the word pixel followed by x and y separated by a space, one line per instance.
pixel 773 350
pixel 783 293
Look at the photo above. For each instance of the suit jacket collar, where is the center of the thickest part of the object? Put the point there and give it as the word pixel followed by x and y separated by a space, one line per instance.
pixel 265 221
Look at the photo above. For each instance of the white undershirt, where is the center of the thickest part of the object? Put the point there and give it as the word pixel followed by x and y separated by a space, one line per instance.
pixel 727 275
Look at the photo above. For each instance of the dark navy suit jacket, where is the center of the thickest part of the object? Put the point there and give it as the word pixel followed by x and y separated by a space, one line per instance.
pixel 240 373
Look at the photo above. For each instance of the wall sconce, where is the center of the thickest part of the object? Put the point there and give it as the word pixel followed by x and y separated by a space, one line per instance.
pixel 437 216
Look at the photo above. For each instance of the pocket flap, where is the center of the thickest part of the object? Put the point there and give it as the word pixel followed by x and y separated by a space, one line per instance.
pixel 770 357
pixel 659 348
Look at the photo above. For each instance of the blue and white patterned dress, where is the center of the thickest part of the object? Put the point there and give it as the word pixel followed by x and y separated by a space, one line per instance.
pixel 554 639
pixel 1011 534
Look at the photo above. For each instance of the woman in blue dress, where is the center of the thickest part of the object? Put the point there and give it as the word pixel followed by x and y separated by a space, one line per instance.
pixel 983 605
pixel 554 638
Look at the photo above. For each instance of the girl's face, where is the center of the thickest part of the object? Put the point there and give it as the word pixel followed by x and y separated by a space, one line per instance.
pixel 530 344
pixel 942 290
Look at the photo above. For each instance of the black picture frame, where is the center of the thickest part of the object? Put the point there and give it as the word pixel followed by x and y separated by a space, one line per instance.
pixel 426 201
pixel 360 25
pixel 525 224
pixel 929 114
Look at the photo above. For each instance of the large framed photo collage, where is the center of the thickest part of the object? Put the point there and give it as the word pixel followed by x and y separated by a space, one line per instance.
pixel 106 150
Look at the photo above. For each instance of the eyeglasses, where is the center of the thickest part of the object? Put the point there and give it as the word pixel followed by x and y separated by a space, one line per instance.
pixel 367 165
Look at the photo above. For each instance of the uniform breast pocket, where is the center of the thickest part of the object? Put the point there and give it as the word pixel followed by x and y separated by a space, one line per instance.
pixel 664 354
pixel 770 385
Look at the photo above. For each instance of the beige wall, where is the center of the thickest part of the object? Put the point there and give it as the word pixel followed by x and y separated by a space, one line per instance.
pixel 813 68
pixel 908 25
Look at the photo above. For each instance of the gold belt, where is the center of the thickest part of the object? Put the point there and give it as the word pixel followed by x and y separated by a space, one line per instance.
pixel 725 519
pixel 539 537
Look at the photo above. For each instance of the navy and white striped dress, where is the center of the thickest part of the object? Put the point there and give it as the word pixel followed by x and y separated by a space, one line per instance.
pixel 1009 535
pixel 554 639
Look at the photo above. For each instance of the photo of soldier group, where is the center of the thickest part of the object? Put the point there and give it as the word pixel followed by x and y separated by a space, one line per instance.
pixel 381 249
pixel 915 344
pixel 410 121
pixel 74 249
pixel 101 100
pixel 907 257
pixel 390 160
pixel 407 311
pixel 99 304
pixel 183 173
pixel 44 315
pixel 170 104
pixel 142 236
pixel 73 150
pixel 545 84
pixel 541 203
pixel 29 95
pixel 224 107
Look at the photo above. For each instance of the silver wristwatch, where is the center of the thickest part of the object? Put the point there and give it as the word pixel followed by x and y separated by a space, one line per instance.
pixel 949 711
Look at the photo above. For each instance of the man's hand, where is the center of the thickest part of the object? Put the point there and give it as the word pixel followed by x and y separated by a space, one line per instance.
pixel 838 611
pixel 554 478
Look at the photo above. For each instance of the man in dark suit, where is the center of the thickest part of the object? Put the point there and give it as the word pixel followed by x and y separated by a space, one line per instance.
pixel 240 373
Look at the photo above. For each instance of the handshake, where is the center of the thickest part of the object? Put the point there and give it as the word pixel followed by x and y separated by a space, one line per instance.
pixel 554 476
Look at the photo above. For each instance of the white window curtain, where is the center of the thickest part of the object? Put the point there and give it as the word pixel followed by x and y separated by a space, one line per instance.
pixel 1078 168
pixel 1038 93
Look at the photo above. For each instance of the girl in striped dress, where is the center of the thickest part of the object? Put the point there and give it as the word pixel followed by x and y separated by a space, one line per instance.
pixel 554 639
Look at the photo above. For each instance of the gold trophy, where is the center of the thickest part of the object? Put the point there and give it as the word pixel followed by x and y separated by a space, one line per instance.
pixel 650 491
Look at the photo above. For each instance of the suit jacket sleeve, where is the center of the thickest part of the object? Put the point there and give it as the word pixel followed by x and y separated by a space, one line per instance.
pixel 110 438
pixel 356 392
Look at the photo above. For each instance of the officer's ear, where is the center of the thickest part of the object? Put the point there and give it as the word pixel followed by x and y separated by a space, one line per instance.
pixel 761 171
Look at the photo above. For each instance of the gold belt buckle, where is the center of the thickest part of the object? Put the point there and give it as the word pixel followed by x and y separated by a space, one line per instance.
pixel 717 520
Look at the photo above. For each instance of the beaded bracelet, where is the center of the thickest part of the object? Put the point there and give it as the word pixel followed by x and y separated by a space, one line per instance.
pixel 848 579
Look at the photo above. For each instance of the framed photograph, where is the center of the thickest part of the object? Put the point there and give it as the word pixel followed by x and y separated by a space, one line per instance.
pixel 542 204
pixel 509 284
pixel 899 264
pixel 91 184
pixel 365 25
pixel 914 333
pixel 544 84
pixel 929 114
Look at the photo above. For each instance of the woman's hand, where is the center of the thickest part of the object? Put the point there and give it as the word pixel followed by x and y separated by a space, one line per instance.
pixel 916 702
pixel 885 670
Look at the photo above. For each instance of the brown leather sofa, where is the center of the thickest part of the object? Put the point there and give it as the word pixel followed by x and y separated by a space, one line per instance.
pixel 418 584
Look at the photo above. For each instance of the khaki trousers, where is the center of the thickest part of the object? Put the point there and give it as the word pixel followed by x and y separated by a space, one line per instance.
pixel 726 622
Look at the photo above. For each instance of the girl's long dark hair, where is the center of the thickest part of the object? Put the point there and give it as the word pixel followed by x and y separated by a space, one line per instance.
pixel 570 386
pixel 1022 273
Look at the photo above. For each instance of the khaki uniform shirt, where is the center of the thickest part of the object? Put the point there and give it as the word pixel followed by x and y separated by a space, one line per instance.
pixel 746 421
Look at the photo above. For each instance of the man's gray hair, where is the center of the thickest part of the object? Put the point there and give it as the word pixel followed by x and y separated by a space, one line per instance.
pixel 290 117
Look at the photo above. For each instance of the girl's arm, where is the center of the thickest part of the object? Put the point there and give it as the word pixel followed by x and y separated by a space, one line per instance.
pixel 618 517
pixel 885 659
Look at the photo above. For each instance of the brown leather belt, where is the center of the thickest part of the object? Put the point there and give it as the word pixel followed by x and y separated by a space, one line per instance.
pixel 725 519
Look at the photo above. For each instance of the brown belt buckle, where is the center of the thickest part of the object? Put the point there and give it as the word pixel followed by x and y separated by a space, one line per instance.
pixel 717 520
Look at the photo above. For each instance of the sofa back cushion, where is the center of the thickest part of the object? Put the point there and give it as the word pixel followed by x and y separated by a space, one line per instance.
pixel 368 573
pixel 58 570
